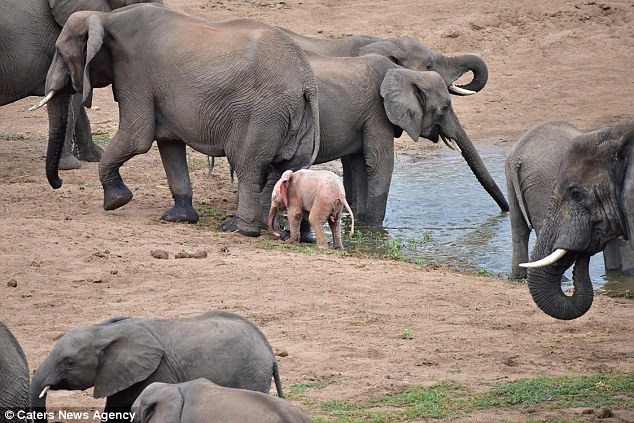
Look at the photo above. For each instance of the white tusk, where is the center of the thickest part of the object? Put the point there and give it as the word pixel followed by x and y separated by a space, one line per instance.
pixel 45 390
pixel 556 255
pixel 451 144
pixel 46 99
pixel 461 91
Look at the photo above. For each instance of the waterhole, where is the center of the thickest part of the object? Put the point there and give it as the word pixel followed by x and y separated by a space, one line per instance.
pixel 438 213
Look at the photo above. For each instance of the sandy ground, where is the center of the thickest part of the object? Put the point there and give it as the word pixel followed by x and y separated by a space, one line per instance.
pixel 338 316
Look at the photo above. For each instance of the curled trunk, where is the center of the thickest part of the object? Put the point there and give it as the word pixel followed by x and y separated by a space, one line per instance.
pixel 475 64
pixel 544 285
pixel 271 220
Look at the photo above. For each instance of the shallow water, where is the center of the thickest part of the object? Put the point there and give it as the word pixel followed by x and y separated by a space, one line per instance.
pixel 437 212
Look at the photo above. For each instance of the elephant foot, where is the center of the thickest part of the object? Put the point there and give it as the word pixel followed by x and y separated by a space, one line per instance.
pixel 305 233
pixel 235 224
pixel 69 162
pixel 116 195
pixel 92 153
pixel 183 211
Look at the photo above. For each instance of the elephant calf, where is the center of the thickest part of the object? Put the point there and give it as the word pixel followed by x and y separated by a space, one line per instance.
pixel 314 194
pixel 121 356
pixel 203 401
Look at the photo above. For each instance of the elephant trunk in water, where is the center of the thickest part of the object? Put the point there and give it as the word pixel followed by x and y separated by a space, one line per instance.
pixel 473 63
pixel 544 283
pixel 454 130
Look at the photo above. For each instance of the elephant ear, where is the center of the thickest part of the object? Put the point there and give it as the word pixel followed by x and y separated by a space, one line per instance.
pixel 626 155
pixel 94 43
pixel 129 354
pixel 62 9
pixel 284 182
pixel 385 48
pixel 403 100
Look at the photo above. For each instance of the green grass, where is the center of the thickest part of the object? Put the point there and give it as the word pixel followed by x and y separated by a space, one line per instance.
pixel 12 137
pixel 449 400
pixel 102 140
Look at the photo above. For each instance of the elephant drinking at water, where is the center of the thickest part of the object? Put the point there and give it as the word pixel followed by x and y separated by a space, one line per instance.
pixel 366 101
pixel 592 203
pixel 247 93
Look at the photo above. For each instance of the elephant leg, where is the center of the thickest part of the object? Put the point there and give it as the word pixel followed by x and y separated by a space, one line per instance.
pixel 123 147
pixel 619 257
pixel 520 233
pixel 294 222
pixel 317 221
pixel 87 150
pixel 335 228
pixel 379 160
pixel 68 160
pixel 174 158
pixel 359 182
pixel 349 181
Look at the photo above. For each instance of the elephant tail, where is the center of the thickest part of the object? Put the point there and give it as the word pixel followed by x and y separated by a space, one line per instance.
pixel 276 378
pixel 345 203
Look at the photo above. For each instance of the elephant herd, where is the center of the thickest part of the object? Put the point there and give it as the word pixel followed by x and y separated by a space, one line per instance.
pixel 273 101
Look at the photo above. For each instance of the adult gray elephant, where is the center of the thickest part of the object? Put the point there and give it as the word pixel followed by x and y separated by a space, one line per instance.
pixel 366 101
pixel 28 31
pixel 121 356
pixel 406 52
pixel 531 170
pixel 14 375
pixel 202 401
pixel 244 92
pixel 587 209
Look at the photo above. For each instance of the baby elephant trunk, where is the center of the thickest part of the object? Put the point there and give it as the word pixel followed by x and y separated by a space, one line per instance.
pixel 272 216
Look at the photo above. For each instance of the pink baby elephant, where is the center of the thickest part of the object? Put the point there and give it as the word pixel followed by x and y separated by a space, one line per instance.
pixel 314 194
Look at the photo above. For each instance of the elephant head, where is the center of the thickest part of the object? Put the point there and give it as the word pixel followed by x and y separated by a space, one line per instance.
pixel 592 203
pixel 419 103
pixel 110 356
pixel 159 402
pixel 412 54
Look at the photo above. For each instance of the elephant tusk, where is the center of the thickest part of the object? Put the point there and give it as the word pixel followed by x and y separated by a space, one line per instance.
pixel 44 391
pixel 45 100
pixel 451 144
pixel 556 255
pixel 457 90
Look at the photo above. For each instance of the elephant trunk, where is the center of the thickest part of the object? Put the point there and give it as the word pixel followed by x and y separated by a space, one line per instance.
pixel 470 154
pixel 36 388
pixel 57 128
pixel 544 283
pixel 475 64
pixel 272 215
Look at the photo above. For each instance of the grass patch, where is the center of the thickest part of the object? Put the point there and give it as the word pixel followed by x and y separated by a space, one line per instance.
pixel 102 140
pixel 12 137
pixel 80 183
pixel 448 400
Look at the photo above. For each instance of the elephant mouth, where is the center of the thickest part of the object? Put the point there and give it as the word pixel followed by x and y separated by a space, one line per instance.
pixel 433 134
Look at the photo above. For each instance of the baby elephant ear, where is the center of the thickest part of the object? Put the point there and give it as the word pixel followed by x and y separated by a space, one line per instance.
pixel 403 101
pixel 385 48
pixel 62 9
pixel 285 180
pixel 129 354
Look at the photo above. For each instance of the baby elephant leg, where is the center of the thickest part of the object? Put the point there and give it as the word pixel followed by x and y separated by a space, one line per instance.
pixel 317 219
pixel 294 220
pixel 334 220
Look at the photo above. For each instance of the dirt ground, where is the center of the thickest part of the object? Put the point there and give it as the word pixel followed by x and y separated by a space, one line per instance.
pixel 338 316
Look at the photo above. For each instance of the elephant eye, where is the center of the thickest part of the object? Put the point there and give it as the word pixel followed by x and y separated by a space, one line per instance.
pixel 429 66
pixel 577 195
pixel 69 362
